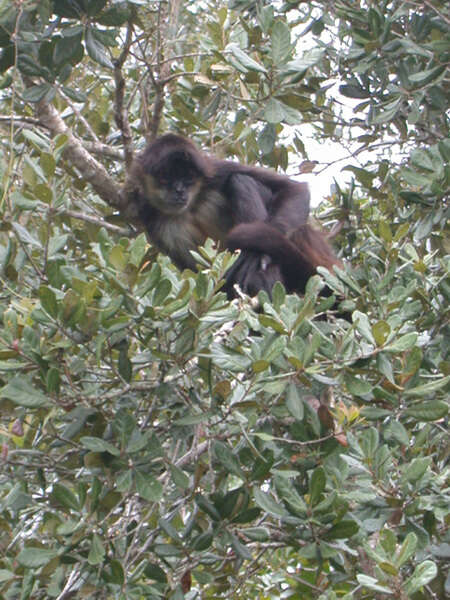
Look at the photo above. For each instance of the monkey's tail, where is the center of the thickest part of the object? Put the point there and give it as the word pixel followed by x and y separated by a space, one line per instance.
pixel 297 256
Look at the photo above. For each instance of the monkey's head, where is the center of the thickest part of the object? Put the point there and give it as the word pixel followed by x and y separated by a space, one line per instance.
pixel 173 188
pixel 171 172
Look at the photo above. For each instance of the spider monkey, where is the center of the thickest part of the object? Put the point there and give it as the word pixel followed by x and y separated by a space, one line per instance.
pixel 183 196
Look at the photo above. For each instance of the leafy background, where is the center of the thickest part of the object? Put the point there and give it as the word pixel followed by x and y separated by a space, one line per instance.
pixel 159 441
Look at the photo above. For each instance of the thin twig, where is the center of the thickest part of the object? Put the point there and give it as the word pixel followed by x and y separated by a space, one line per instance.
pixel 96 221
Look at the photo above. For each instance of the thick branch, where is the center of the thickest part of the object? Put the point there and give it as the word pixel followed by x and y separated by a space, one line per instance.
pixel 90 169
pixel 104 150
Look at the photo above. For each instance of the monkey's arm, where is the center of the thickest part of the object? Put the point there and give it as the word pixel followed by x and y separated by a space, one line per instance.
pixel 247 201
pixel 262 195
pixel 290 206
pixel 246 198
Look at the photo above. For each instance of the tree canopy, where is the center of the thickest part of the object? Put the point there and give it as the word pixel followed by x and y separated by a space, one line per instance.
pixel 162 442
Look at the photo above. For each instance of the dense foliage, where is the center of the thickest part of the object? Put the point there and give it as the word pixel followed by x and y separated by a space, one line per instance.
pixel 157 440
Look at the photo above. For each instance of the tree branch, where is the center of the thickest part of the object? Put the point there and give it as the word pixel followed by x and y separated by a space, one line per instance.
pixel 96 221
pixel 90 169
pixel 120 113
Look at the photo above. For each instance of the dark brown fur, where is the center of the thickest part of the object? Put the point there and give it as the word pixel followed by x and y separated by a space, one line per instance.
pixel 182 196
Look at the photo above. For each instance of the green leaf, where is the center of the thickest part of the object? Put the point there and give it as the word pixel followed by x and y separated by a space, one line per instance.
pixel 116 15
pixel 260 365
pixel 201 286
pixel 428 388
pixel 372 413
pixel 407 549
pixel 294 403
pixel 403 343
pixel 385 231
pixel 97 551
pixel 388 541
pixel 422 159
pixel 357 386
pixel 240 550
pixel 273 323
pixel 36 557
pixel 155 572
pixel 94 7
pixel 137 441
pixel 116 573
pixel 416 469
pixel 343 530
pixel 428 411
pixel 124 364
pixel 309 59
pixel 75 95
pixel 388 112
pixel 162 291
pixel 274 111
pixel 423 574
pixel 389 568
pixel 413 361
pixel 25 236
pixel 21 391
pixel 152 279
pixel 267 138
pixel 289 494
pixel 148 487
pixel 206 506
pixel 370 442
pixel 362 324
pixel 354 91
pixel 37 93
pixel 317 485
pixel 169 529
pixel 203 541
pixel 413 178
pixel 64 496
pixel 428 76
pixel 124 481
pixel 48 300
pixel 48 164
pixel 98 445
pixel 138 249
pixel 179 477
pixel 6 575
pixel 311 348
pixel 57 243
pixel 72 9
pixel 372 584
pixel 226 457
pixel 268 503
pixel 53 381
pixel 193 419
pixel 380 332
pixel 117 258
pixel 244 61
pixel 396 431
pixel 257 534
pixel 96 50
pixel 280 42
pixel 68 47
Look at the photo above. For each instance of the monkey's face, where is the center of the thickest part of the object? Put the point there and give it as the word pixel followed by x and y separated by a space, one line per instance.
pixel 174 189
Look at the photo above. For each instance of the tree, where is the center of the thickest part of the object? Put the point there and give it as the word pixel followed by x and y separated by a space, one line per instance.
pixel 159 441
